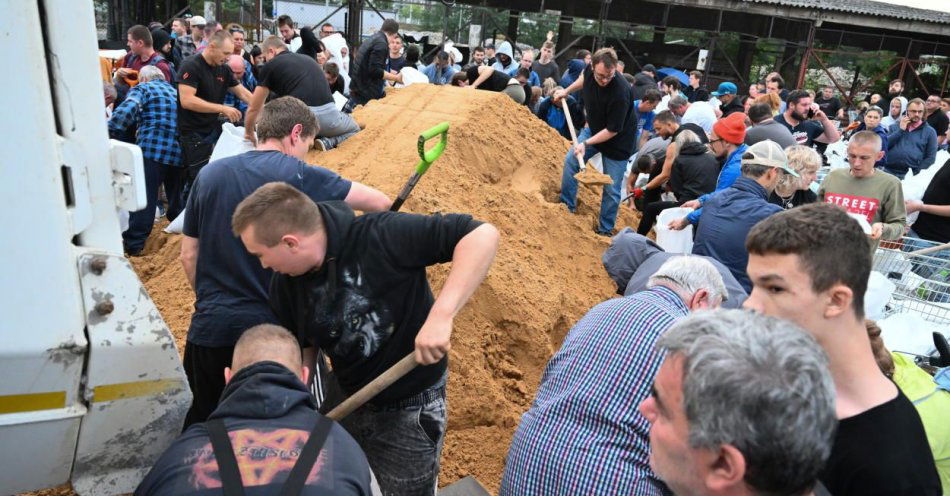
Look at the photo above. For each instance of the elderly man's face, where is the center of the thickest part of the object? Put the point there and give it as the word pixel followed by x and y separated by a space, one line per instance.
pixel 671 457
pixel 236 64
pixel 527 58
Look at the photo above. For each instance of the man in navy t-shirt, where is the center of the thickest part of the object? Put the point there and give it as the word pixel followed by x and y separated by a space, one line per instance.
pixel 806 121
pixel 230 284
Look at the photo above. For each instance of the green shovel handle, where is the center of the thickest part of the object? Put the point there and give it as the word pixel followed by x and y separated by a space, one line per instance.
pixel 430 155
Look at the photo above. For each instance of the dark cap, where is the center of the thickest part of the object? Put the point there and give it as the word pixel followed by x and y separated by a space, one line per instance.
pixel 649 68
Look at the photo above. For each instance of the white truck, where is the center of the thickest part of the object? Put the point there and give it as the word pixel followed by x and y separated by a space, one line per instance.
pixel 93 387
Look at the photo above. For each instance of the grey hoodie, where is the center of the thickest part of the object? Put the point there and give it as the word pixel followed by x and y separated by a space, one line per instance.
pixel 505 48
pixel 632 259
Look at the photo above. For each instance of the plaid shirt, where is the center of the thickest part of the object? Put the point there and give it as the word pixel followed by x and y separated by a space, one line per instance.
pixel 153 108
pixel 584 434
pixel 186 46
pixel 248 81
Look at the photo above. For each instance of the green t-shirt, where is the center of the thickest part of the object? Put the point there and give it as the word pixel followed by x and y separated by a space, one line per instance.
pixel 878 198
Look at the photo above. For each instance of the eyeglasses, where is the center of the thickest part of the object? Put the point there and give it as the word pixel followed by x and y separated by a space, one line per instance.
pixel 603 78
pixel 714 141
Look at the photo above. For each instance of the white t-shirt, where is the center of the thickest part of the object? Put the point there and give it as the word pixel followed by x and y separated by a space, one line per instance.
pixel 701 114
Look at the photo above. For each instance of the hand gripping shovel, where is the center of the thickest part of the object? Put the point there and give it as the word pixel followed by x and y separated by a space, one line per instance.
pixel 586 176
pixel 404 366
pixel 426 158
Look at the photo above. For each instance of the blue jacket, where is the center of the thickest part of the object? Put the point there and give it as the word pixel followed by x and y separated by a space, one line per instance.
pixel 726 220
pixel 916 149
pixel 431 72
pixel 731 170
pixel 533 80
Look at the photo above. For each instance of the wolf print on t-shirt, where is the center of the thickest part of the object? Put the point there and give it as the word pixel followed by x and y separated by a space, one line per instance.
pixel 854 204
pixel 356 325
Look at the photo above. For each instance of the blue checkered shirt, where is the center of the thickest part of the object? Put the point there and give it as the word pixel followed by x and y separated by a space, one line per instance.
pixel 248 81
pixel 584 433
pixel 152 108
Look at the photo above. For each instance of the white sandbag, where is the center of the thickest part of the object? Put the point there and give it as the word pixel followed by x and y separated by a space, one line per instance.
pixel 674 241
pixel 878 293
pixel 862 221
pixel 176 226
pixel 411 75
pixel 230 143
pixel 914 186
pixel 909 333
pixel 837 154
pixel 339 101
pixel 597 161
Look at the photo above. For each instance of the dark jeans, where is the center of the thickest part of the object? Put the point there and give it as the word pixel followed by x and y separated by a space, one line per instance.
pixel 651 212
pixel 141 222
pixel 403 441
pixel 204 367
pixel 196 150
pixel 900 173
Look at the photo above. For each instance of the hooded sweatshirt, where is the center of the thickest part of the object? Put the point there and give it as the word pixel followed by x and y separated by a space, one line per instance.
pixel 574 69
pixel 505 49
pixel 367 301
pixel 632 259
pixel 269 415
pixel 309 45
pixel 641 83
pixel 694 172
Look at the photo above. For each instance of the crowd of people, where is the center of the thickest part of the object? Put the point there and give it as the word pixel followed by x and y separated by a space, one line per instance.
pixel 299 301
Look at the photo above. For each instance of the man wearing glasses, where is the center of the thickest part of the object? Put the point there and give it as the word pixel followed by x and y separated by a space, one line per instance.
pixel 326 30
pixel 911 142
pixel 611 131
pixel 937 119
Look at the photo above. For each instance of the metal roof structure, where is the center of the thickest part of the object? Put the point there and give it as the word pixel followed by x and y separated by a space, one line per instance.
pixel 867 7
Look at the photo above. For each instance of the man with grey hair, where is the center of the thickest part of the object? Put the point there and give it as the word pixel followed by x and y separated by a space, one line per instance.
pixel 699 113
pixel 742 404
pixel 583 429
pixel 151 108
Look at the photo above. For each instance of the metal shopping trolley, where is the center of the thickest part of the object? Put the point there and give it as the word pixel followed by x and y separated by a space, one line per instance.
pixel 921 271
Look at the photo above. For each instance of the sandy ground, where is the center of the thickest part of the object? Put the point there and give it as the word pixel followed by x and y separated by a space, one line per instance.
pixel 503 166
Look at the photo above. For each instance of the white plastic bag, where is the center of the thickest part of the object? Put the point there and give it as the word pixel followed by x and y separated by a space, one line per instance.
pixel 674 241
pixel 914 186
pixel 230 143
pixel 878 293
pixel 411 75
pixel 837 155
pixel 909 333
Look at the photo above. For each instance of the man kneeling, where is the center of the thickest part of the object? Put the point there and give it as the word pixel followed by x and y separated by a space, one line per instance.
pixel 265 432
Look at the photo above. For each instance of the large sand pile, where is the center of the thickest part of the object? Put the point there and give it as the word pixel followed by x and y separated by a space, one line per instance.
pixel 503 166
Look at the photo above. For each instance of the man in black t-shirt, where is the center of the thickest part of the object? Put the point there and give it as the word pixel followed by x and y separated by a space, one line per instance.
pixel 828 102
pixel 611 131
pixel 204 80
pixel 810 265
pixel 293 74
pixel 806 121
pixel 356 288
pixel 230 285
pixel 933 223
pixel 937 118
pixel 483 77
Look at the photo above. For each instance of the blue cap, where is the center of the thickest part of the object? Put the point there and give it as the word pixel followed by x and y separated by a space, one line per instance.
pixel 726 88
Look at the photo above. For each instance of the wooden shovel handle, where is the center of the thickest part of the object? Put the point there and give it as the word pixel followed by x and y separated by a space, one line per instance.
pixel 377 385
pixel 570 125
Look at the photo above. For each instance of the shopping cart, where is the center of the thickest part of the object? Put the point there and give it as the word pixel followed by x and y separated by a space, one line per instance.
pixel 921 271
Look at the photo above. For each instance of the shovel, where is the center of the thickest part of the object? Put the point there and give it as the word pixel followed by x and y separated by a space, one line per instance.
pixel 426 157
pixel 586 176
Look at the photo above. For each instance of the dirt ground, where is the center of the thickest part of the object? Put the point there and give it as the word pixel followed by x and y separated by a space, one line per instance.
pixel 503 166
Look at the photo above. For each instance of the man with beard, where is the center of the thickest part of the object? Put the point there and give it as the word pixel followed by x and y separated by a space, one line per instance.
pixel 894 90
pixel 806 121
pixel 937 118
pixel 911 143
pixel 356 287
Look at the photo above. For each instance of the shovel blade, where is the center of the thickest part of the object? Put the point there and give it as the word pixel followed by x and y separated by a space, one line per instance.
pixel 591 177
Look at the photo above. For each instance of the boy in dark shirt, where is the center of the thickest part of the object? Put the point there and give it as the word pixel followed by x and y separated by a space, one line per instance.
pixel 810 265
pixel 230 286
pixel 356 288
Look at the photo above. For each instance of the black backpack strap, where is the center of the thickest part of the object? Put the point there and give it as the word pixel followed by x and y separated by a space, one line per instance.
pixel 308 457
pixel 231 482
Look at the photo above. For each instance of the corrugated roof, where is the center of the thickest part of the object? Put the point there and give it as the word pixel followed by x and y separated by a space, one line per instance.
pixel 867 7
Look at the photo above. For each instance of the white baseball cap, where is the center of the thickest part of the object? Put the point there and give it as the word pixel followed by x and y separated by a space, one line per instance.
pixel 769 154
pixel 197 21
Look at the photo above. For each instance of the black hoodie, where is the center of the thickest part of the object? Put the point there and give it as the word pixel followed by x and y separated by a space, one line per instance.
pixel 368 300
pixel 694 172
pixel 269 415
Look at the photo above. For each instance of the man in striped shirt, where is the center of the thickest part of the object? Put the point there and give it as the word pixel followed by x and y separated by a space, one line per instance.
pixel 583 434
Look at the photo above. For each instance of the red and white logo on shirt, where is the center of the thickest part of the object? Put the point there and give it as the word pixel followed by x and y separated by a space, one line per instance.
pixel 861 205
